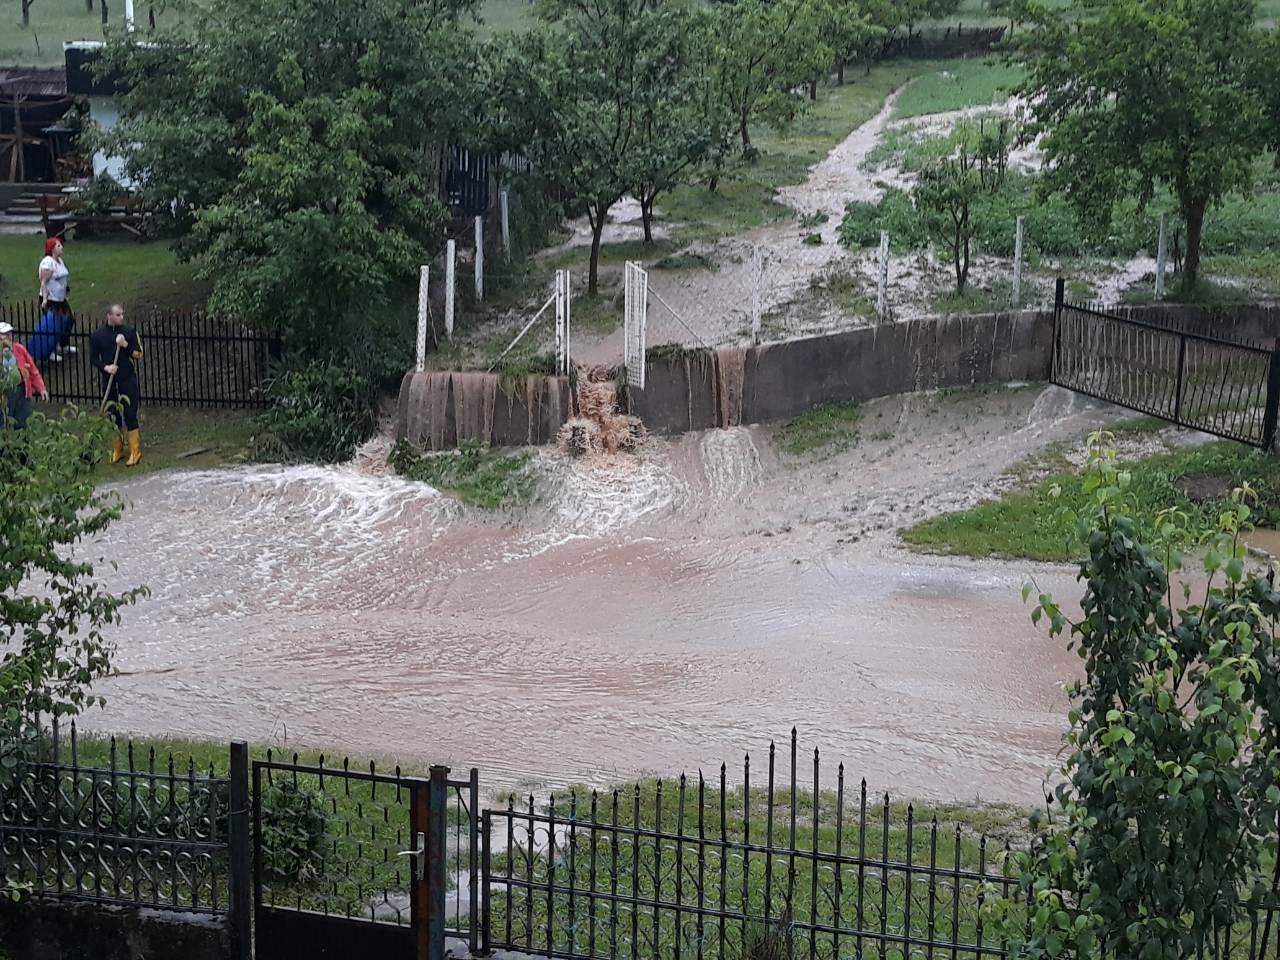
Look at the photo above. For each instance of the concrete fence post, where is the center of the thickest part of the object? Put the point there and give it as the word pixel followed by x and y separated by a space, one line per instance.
pixel 504 205
pixel 882 288
pixel 479 259
pixel 757 280
pixel 424 311
pixel 1162 256
pixel 450 254
pixel 1017 265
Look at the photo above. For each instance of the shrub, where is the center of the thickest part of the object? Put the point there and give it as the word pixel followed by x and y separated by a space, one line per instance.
pixel 476 474
pixel 319 412
pixel 293 833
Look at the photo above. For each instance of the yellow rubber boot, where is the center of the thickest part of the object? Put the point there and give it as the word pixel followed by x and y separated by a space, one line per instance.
pixel 117 448
pixel 135 449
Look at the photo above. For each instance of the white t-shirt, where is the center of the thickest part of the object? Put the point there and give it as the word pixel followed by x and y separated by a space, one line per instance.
pixel 57 285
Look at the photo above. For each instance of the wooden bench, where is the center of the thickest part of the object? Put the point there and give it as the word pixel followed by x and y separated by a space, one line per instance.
pixel 60 213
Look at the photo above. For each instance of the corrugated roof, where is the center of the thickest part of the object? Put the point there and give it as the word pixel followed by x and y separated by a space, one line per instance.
pixel 48 82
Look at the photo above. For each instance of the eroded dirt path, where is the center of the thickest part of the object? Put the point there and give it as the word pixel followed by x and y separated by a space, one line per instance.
pixel 660 613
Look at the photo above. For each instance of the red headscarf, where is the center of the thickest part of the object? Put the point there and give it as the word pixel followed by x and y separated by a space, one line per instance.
pixel 49 244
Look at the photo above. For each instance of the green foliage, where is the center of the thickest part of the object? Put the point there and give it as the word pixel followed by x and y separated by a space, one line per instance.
pixel 474 473
pixel 53 608
pixel 946 194
pixel 294 820
pixel 1143 93
pixel 293 149
pixel 826 429
pixel 1017 525
pixel 1156 842
pixel 319 412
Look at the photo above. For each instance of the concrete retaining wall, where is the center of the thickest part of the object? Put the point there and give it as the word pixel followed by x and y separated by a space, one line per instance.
pixel 685 389
pixel 36 929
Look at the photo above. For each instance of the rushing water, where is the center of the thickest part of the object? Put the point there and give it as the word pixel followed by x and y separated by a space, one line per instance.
pixel 654 614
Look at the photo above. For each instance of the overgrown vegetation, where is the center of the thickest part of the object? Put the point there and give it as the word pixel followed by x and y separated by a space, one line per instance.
pixel 1033 520
pixel 825 430
pixel 1161 838
pixel 319 412
pixel 485 478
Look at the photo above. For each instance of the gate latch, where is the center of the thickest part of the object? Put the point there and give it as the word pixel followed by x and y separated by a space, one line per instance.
pixel 419 855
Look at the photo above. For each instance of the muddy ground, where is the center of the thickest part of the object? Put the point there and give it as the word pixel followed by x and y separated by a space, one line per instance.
pixel 661 612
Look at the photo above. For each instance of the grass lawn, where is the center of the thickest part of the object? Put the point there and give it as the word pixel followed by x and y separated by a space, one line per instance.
pixel 102 271
pixel 957 84
pixel 823 431
pixel 1025 523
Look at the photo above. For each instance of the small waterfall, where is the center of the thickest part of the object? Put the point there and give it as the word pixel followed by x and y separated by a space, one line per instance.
pixel 474 396
pixel 730 372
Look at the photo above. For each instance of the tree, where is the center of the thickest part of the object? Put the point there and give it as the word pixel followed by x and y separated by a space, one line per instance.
pixel 762 51
pixel 1141 93
pixel 847 28
pixel 53 608
pixel 1156 842
pixel 946 194
pixel 294 148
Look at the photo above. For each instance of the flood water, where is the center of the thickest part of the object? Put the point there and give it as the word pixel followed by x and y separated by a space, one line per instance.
pixel 660 614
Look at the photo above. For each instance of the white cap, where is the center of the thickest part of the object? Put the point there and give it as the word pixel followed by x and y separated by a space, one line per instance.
pixel 5 329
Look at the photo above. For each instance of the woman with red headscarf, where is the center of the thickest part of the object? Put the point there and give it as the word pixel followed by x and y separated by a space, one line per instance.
pixel 53 335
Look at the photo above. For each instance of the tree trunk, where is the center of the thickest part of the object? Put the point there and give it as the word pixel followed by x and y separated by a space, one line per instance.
pixel 746 134
pixel 840 74
pixel 646 215
pixel 813 89
pixel 1193 214
pixel 26 15
pixel 597 216
pixel 88 6
pixel 106 16
pixel 713 181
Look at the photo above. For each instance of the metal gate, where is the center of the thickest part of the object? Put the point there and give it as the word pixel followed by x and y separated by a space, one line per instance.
pixel 1217 386
pixel 357 863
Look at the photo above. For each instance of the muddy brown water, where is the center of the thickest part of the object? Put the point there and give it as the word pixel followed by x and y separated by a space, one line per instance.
pixel 655 614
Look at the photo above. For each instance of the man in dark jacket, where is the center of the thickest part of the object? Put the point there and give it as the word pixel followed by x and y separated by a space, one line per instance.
pixel 115 351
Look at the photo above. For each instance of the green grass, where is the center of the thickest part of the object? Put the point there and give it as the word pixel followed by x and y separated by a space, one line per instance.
pixel 485 478
pixel 1025 522
pixel 102 272
pixel 957 84
pixel 825 430
pixel 745 199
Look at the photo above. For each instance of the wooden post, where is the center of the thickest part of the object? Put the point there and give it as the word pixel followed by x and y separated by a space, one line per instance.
pixel 424 310
pixel 882 289
pixel 450 250
pixel 504 204
pixel 1017 266
pixel 241 873
pixel 1162 256
pixel 479 259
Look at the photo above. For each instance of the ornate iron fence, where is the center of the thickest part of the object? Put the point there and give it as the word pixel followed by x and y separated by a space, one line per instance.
pixel 139 830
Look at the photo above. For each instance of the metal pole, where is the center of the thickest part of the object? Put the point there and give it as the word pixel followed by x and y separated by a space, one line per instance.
pixel 241 875
pixel 436 856
pixel 479 259
pixel 450 251
pixel 504 204
pixel 757 271
pixel 1017 266
pixel 1059 299
pixel 1272 412
pixel 1162 255
pixel 882 289
pixel 424 309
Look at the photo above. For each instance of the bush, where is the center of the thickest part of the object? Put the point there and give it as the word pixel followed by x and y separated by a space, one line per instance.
pixel 293 833
pixel 319 412
pixel 474 473
pixel 896 212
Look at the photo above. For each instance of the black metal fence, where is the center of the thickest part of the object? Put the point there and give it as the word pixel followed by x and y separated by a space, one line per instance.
pixel 190 359
pixel 1226 388
pixel 127 829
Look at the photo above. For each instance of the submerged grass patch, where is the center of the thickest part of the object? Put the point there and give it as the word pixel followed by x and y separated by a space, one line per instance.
pixel 827 429
pixel 474 473
pixel 1029 523
pixel 957 84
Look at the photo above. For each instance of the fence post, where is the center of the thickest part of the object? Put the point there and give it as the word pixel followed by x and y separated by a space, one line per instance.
pixel 450 251
pixel 479 259
pixel 1162 254
pixel 437 854
pixel 473 888
pixel 504 205
pixel 241 877
pixel 486 871
pixel 882 289
pixel 1273 403
pixel 757 269
pixel 1059 298
pixel 1017 266
pixel 424 308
